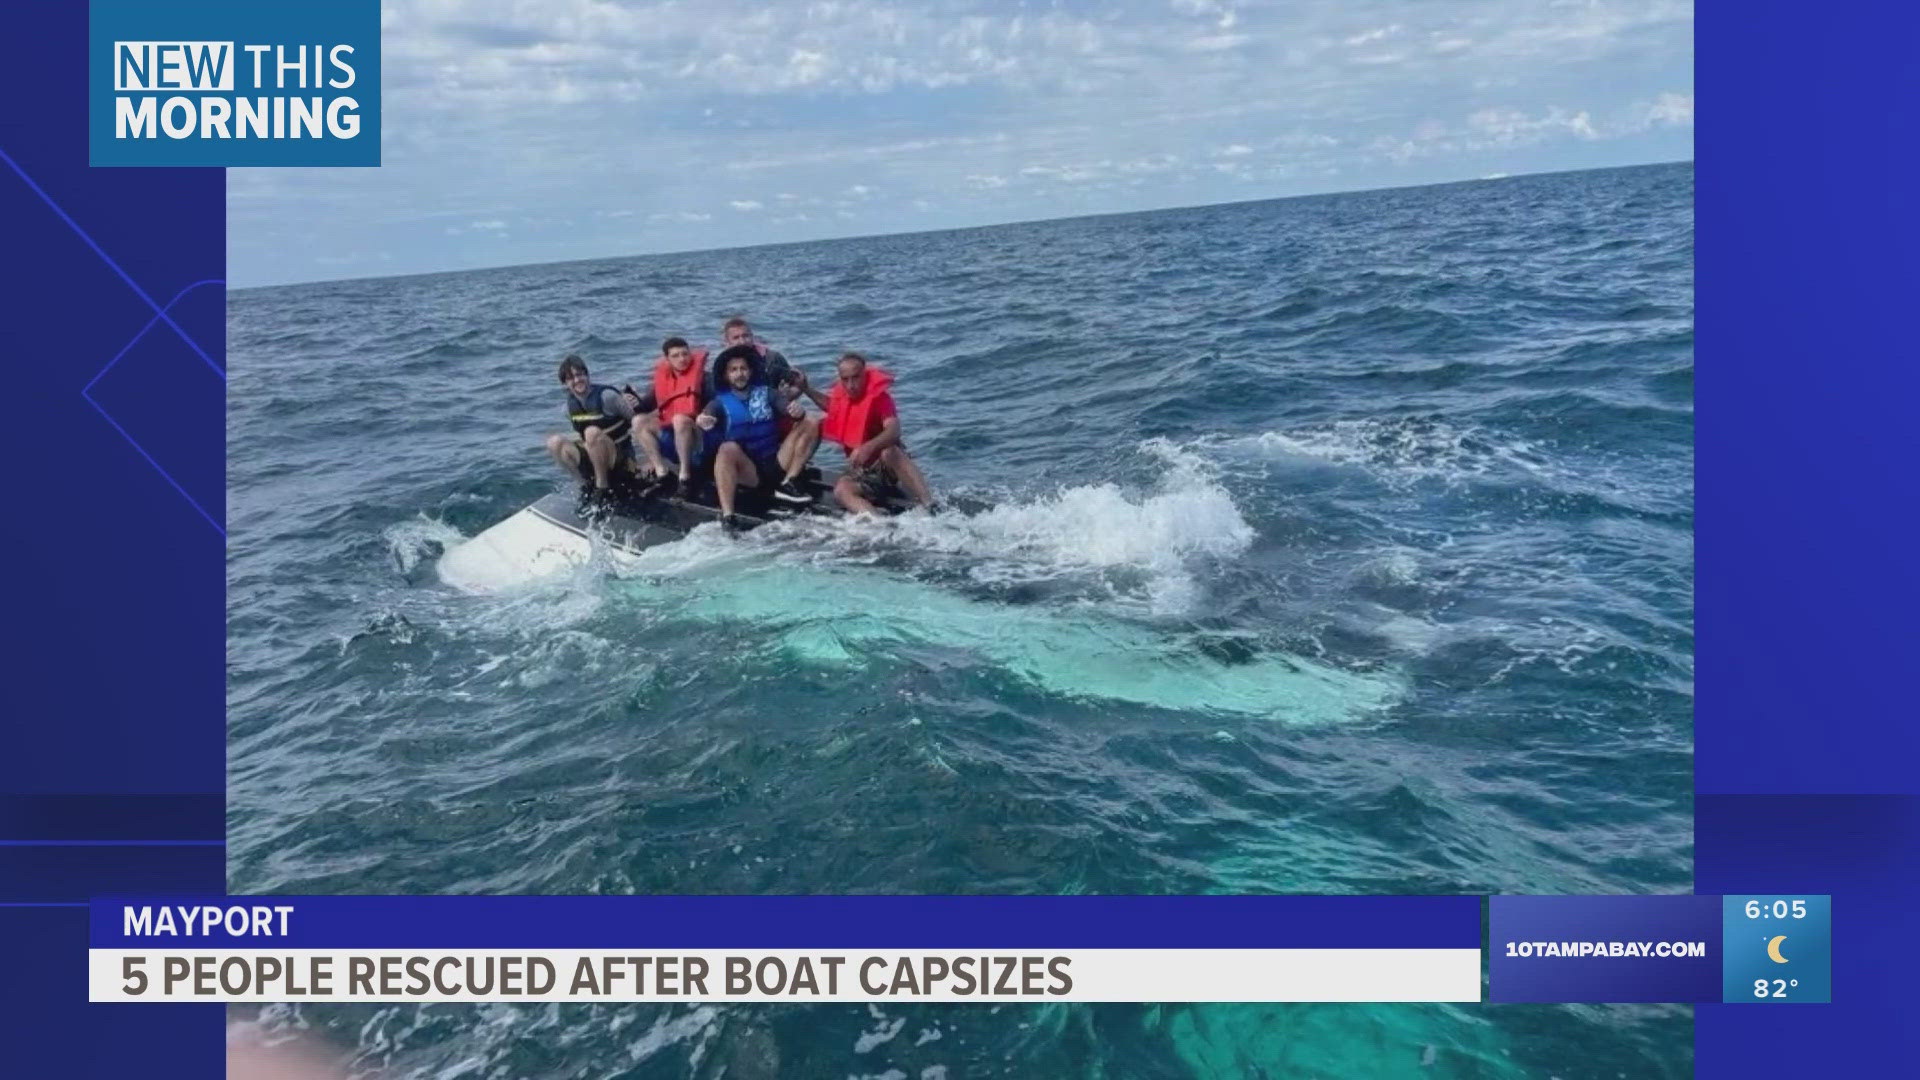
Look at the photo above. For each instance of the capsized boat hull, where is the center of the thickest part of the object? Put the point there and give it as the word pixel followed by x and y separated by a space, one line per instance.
pixel 554 534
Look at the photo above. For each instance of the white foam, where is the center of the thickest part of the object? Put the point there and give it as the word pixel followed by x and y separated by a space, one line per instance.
pixel 883 1032
pixel 1399 449
pixel 1165 535
pixel 668 1030
pixel 411 542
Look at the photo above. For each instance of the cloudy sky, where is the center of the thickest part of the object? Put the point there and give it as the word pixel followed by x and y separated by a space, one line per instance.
pixel 521 131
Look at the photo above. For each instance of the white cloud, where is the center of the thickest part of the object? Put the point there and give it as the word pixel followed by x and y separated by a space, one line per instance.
pixel 1217 42
pixel 1374 35
pixel 1675 109
pixel 1068 174
pixel 525 112
pixel 1497 129
pixel 1221 12
pixel 1152 163
pixel 1509 126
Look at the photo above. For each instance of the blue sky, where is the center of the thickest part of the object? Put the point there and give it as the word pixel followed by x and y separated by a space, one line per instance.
pixel 524 131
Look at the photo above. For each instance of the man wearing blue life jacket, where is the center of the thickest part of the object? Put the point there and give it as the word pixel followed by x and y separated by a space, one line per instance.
pixel 601 419
pixel 780 375
pixel 746 419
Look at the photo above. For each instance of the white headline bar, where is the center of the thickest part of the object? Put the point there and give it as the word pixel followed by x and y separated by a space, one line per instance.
pixel 540 975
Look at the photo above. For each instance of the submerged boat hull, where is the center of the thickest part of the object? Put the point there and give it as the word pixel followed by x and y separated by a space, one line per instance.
pixel 554 534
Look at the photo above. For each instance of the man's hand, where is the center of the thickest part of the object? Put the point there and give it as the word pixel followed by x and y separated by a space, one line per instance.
pixel 633 399
pixel 863 455
pixel 796 410
pixel 706 421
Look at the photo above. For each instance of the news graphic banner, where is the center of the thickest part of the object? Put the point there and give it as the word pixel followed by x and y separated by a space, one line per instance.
pixel 1693 949
pixel 234 83
pixel 1701 949
pixel 786 948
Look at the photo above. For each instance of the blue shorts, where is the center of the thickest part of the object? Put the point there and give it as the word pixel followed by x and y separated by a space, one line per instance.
pixel 667 449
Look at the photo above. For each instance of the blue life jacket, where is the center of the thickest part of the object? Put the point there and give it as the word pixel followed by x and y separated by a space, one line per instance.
pixel 587 414
pixel 750 421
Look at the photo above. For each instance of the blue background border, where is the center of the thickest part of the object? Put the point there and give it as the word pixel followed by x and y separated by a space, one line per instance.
pixel 1806 225
pixel 1805 745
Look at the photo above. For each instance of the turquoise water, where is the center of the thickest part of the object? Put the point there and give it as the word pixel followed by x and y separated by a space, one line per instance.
pixel 1339 544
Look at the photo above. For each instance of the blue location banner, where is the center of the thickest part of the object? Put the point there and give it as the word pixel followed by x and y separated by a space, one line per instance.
pixel 748 922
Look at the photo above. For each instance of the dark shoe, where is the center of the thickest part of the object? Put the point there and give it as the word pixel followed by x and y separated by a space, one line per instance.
pixel 730 524
pixel 667 486
pixel 790 492
pixel 596 504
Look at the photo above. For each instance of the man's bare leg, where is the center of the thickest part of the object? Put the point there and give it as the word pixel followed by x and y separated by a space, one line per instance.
pixel 686 444
pixel 600 451
pixel 908 473
pixel 798 448
pixel 731 468
pixel 646 436
pixel 566 453
pixel 849 495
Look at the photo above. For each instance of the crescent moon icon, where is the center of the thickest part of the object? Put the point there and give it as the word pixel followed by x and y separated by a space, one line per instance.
pixel 1773 950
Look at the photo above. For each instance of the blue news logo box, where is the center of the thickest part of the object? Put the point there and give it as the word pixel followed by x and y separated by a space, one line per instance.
pixel 216 83
pixel 1604 948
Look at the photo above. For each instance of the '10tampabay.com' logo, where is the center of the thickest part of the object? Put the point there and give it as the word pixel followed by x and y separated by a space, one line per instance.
pixel 218 83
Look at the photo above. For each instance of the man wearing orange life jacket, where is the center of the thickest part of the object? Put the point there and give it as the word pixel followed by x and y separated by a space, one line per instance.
pixel 663 426
pixel 862 418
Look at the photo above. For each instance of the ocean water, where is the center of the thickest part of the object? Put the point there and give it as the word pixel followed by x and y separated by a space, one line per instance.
pixel 1333 544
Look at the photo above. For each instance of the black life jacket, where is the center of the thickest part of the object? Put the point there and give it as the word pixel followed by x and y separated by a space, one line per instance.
pixel 589 414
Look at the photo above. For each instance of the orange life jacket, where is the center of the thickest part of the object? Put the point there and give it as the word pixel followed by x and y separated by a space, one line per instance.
pixel 678 393
pixel 849 420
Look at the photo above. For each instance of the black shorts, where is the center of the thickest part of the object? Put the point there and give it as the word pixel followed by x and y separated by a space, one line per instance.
pixel 622 457
pixel 771 473
pixel 874 482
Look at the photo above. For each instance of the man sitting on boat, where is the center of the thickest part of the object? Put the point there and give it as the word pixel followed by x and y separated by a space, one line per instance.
pixel 745 419
pixel 862 418
pixel 737 331
pixel 601 417
pixel 663 422
pixel 780 375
